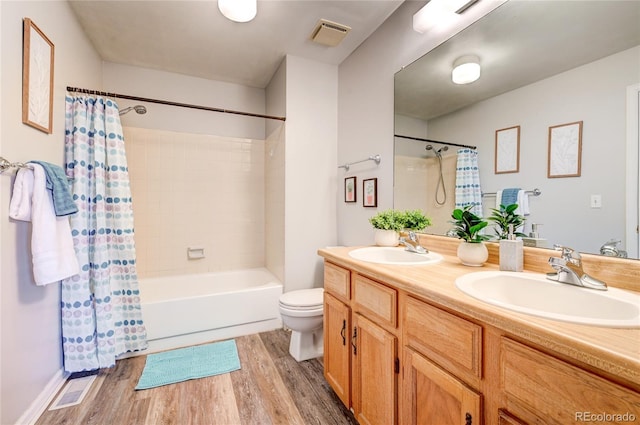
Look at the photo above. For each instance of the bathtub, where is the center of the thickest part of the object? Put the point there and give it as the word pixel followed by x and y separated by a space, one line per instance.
pixel 193 309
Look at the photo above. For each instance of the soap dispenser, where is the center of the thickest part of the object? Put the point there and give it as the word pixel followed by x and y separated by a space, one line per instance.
pixel 511 253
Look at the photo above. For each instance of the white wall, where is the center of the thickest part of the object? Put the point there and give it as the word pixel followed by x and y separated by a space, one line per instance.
pixel 595 94
pixel 30 315
pixel 150 83
pixel 365 106
pixel 310 168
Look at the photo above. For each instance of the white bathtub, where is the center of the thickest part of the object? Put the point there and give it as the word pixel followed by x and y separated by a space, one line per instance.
pixel 193 309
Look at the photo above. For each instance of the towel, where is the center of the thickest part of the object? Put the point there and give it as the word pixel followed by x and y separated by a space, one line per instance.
pixel 509 196
pixel 498 198
pixel 523 203
pixel 58 184
pixel 52 251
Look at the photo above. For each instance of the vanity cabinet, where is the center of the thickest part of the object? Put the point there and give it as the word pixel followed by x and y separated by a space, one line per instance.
pixel 442 366
pixel 408 358
pixel 540 388
pixel 360 345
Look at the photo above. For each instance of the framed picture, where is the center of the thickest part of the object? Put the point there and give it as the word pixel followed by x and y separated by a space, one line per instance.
pixel 37 78
pixel 507 158
pixel 565 150
pixel 350 189
pixel 370 193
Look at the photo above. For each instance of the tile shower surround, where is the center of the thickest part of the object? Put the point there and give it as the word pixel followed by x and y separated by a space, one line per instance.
pixel 193 190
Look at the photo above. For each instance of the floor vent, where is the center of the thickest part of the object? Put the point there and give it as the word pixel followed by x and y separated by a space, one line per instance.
pixel 73 392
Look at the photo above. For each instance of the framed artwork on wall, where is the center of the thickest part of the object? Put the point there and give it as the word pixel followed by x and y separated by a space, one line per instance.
pixel 507 157
pixel 37 78
pixel 350 189
pixel 565 150
pixel 370 192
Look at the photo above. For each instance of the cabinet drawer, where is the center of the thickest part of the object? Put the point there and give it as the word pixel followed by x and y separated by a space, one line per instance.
pixel 375 300
pixel 540 387
pixel 337 281
pixel 451 341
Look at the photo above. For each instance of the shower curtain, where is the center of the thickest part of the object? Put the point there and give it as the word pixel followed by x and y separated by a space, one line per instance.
pixel 468 190
pixel 101 314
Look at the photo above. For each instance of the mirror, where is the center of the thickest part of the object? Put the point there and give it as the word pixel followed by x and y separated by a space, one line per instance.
pixel 544 65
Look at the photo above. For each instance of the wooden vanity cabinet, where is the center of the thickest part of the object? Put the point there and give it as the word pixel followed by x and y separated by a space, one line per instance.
pixel 361 364
pixel 442 366
pixel 453 369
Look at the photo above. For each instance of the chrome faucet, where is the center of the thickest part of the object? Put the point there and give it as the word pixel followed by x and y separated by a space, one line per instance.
pixel 569 270
pixel 413 244
pixel 610 249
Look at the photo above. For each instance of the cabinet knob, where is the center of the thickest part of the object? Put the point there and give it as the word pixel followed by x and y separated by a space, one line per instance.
pixel 468 419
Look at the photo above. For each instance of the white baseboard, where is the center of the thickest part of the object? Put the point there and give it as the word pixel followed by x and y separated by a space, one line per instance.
pixel 39 405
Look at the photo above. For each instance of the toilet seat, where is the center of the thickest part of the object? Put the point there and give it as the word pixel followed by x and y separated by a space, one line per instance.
pixel 303 300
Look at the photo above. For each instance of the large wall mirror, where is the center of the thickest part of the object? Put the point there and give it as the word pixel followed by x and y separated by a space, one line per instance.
pixel 565 70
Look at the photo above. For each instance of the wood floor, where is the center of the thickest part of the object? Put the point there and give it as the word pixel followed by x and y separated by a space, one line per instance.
pixel 271 388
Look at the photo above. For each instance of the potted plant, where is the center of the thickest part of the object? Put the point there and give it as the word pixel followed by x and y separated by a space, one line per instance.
pixel 472 251
pixel 387 224
pixel 504 217
pixel 415 220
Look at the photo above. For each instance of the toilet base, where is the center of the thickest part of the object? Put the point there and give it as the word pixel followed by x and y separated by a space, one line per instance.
pixel 307 345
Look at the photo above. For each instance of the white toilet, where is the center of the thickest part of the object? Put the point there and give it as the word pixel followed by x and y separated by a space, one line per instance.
pixel 301 312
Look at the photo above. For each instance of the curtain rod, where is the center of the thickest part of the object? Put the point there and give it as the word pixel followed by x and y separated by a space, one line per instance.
pixel 435 141
pixel 170 103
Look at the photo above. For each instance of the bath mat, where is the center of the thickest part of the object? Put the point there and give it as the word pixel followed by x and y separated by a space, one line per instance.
pixel 194 362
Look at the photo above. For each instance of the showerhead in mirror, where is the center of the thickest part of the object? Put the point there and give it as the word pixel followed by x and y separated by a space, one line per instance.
pixel 140 109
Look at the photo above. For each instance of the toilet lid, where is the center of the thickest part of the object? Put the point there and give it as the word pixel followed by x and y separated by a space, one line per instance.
pixel 303 298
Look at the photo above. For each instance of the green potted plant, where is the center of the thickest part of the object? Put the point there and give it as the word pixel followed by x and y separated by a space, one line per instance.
pixel 388 224
pixel 467 226
pixel 504 217
pixel 415 220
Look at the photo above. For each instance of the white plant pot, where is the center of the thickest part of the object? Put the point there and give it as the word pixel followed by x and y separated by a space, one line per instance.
pixel 473 254
pixel 386 237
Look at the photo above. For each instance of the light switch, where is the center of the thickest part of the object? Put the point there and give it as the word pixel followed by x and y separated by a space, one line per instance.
pixel 596 201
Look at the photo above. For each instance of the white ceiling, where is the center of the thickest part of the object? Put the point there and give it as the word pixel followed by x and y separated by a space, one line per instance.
pixel 193 38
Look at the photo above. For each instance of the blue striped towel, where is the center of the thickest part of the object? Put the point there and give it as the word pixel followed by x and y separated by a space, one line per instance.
pixel 510 196
pixel 58 184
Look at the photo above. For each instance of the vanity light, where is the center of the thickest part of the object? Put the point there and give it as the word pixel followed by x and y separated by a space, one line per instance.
pixel 238 10
pixel 466 70
pixel 438 12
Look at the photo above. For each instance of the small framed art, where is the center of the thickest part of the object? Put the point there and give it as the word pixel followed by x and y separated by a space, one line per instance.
pixel 350 189
pixel 370 192
pixel 565 150
pixel 37 78
pixel 507 158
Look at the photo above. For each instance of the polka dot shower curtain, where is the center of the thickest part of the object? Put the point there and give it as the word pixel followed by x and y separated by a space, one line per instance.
pixel 468 190
pixel 101 314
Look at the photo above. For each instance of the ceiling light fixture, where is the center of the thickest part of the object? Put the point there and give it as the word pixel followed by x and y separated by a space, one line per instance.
pixel 438 12
pixel 238 10
pixel 466 70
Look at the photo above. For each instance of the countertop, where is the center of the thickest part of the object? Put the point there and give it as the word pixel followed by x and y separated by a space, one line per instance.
pixel 613 351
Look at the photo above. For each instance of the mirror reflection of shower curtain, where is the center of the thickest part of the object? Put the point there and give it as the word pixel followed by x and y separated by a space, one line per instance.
pixel 101 314
pixel 468 191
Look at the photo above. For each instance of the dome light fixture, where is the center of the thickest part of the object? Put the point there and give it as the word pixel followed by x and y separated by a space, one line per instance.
pixel 238 10
pixel 466 69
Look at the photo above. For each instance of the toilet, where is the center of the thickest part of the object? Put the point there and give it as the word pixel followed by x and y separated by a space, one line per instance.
pixel 301 312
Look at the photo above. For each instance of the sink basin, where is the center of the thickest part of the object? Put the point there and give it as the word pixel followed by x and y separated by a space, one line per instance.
pixel 533 293
pixel 394 255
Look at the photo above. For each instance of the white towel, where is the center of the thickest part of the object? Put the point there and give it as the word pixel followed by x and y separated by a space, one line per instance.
pixel 52 250
pixel 498 198
pixel 523 203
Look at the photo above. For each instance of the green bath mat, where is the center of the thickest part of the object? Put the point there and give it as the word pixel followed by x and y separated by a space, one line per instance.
pixel 183 364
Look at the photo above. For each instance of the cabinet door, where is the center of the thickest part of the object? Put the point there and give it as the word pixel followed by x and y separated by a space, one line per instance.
pixel 374 383
pixel 434 396
pixel 337 346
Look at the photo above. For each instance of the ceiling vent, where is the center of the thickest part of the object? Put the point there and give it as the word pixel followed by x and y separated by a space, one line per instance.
pixel 329 33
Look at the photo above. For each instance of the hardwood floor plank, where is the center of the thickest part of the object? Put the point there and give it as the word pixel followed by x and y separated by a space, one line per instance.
pixel 271 388
pixel 313 396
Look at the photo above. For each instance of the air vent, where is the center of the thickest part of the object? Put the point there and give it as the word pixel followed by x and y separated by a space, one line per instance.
pixel 329 33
